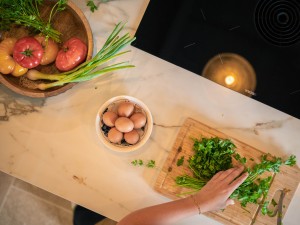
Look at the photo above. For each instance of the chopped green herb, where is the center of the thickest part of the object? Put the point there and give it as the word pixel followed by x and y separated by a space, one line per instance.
pixel 92 5
pixel 151 164
pixel 137 162
pixel 265 210
pixel 214 154
pixel 273 202
pixel 211 156
pixel 251 159
pixel 291 161
pixel 239 158
pixel 180 161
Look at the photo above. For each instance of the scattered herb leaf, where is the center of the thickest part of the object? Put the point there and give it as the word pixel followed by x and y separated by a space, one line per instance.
pixel 239 158
pixel 137 162
pixel 92 5
pixel 151 164
pixel 140 162
pixel 291 161
pixel 273 202
pixel 180 161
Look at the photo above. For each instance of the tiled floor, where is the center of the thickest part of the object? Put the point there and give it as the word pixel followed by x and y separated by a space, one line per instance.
pixel 24 204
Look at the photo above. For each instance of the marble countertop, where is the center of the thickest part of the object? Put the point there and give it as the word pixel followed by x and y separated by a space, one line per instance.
pixel 52 143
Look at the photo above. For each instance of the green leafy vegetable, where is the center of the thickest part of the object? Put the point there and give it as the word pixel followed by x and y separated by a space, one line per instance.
pixel 92 5
pixel 291 161
pixel 151 164
pixel 211 156
pixel 26 13
pixel 214 154
pixel 180 161
pixel 273 202
pixel 265 209
pixel 140 162
pixel 239 158
pixel 137 162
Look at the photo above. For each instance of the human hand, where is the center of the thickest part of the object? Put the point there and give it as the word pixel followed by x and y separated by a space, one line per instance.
pixel 215 194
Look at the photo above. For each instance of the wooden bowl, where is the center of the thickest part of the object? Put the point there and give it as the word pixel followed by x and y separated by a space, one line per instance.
pixel 71 22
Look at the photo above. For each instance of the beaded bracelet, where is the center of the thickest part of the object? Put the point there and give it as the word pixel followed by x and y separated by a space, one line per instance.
pixel 196 203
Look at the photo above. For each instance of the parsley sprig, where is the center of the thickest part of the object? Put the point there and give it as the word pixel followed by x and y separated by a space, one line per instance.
pixel 26 13
pixel 180 161
pixel 93 6
pixel 215 154
pixel 140 162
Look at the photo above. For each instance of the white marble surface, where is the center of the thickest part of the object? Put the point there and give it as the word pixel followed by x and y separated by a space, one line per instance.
pixel 52 143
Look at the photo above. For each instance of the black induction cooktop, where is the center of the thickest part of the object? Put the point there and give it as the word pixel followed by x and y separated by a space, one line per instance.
pixel 251 46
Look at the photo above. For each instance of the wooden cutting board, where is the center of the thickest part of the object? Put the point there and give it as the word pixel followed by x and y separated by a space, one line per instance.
pixel 289 177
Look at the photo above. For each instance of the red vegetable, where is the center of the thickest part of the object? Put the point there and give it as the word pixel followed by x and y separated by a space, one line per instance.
pixel 73 53
pixel 28 52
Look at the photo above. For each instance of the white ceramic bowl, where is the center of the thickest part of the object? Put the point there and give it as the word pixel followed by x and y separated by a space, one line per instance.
pixel 111 105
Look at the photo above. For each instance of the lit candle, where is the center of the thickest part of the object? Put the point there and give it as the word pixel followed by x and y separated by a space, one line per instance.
pixel 232 71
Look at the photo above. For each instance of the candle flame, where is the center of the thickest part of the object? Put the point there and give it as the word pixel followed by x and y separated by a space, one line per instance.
pixel 229 79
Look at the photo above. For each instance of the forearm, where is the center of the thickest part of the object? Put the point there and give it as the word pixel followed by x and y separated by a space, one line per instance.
pixel 213 196
pixel 167 213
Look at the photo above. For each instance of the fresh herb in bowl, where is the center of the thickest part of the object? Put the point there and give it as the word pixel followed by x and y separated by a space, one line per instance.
pixel 26 13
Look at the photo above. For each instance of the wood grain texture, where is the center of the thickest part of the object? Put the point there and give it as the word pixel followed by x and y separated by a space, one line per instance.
pixel 289 177
pixel 71 23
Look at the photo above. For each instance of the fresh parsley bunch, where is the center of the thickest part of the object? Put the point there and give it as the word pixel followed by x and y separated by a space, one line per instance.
pixel 214 154
pixel 211 156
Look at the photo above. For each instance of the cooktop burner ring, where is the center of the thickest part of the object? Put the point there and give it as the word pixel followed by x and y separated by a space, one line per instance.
pixel 278 21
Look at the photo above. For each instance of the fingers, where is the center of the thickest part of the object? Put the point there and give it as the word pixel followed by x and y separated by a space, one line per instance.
pixel 222 174
pixel 233 174
pixel 236 183
pixel 229 174
pixel 229 202
pixel 217 175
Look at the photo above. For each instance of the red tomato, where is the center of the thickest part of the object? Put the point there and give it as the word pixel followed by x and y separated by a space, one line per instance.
pixel 28 52
pixel 73 53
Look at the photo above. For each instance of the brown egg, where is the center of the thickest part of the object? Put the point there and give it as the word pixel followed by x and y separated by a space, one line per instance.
pixel 132 137
pixel 124 124
pixel 139 120
pixel 109 118
pixel 114 135
pixel 125 109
